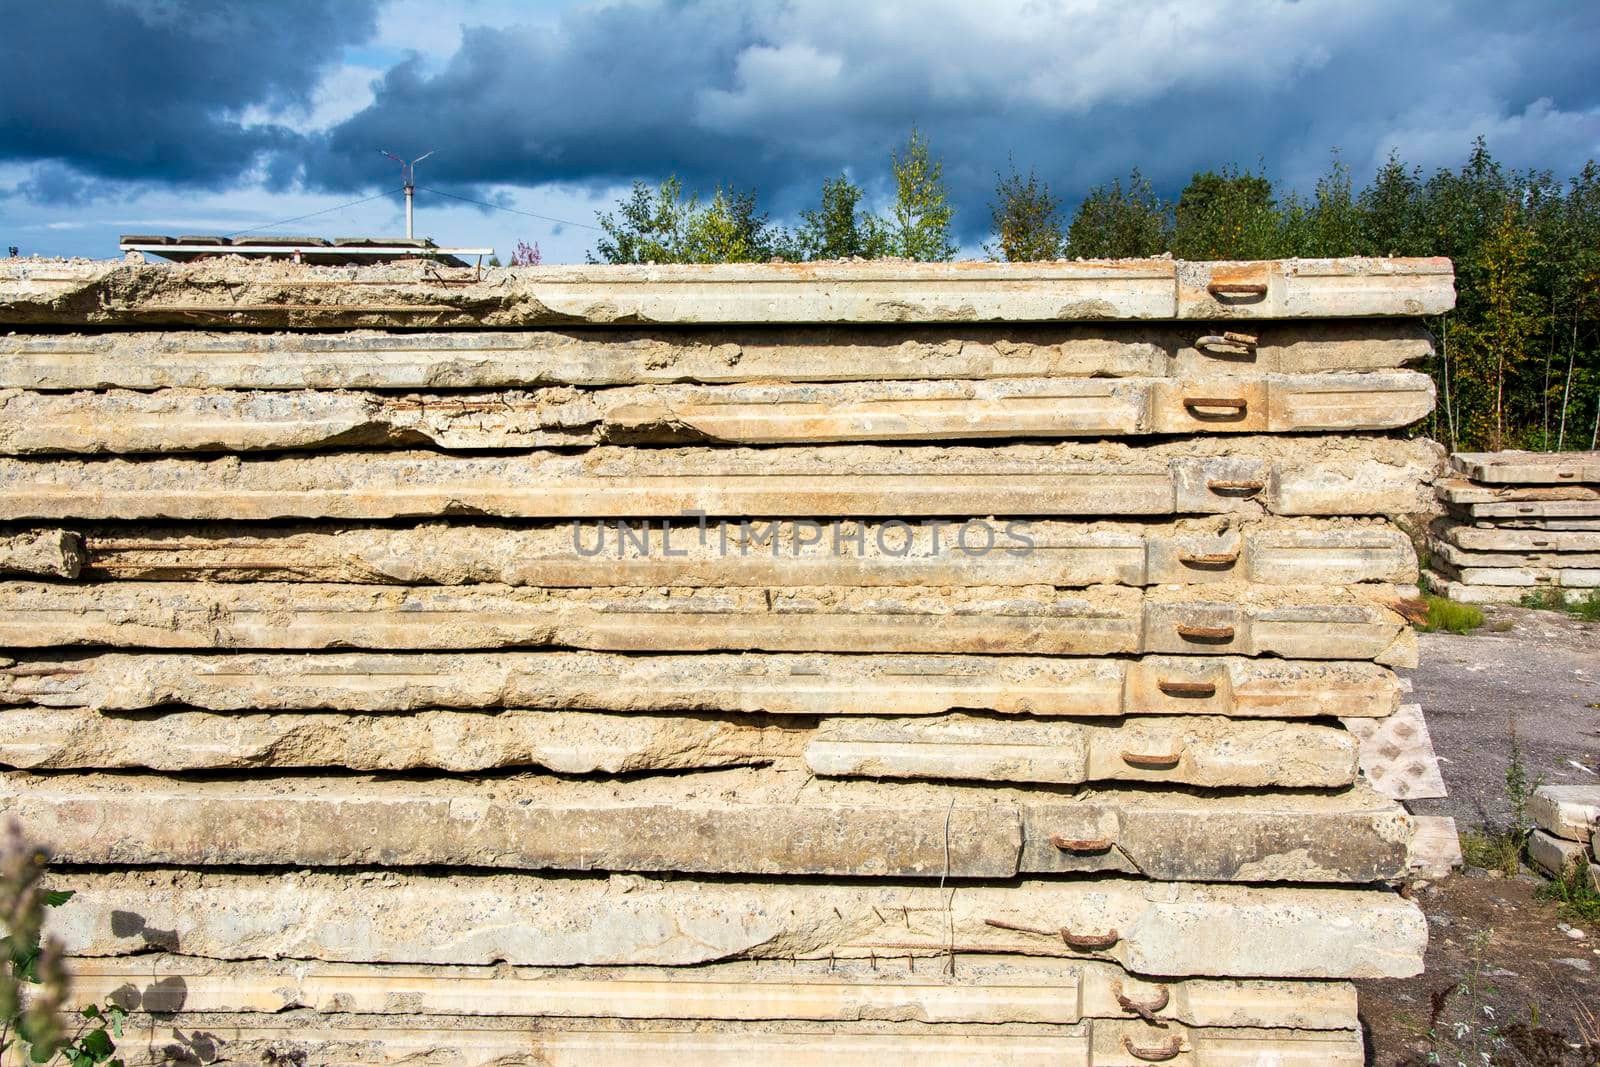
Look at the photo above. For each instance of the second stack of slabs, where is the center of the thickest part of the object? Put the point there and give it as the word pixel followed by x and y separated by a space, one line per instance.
pixel 911 689
pixel 1518 523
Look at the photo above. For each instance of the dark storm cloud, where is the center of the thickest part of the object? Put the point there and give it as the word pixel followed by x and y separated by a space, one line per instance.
pixel 155 90
pixel 776 96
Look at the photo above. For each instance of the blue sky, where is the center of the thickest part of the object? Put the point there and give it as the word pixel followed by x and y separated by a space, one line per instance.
pixel 170 116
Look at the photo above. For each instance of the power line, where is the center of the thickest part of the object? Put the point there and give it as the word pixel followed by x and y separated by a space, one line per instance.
pixel 511 210
pixel 314 214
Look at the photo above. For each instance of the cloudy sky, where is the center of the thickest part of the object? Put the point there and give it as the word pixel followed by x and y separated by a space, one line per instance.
pixel 217 116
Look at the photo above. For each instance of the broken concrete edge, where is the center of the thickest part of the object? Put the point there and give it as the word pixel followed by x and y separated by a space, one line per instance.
pixel 668 552
pixel 983 990
pixel 231 291
pixel 1193 750
pixel 746 822
pixel 1355 622
pixel 747 683
pixel 1247 474
pixel 1150 928
pixel 598 357
pixel 178 421
pixel 1567 811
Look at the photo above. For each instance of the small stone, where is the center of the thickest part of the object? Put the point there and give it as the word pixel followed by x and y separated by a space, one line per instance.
pixel 1577 965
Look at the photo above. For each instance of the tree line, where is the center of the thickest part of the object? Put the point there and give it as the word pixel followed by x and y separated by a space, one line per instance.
pixel 1517 362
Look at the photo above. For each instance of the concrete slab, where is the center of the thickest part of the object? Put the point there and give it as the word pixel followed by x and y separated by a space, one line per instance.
pixel 182 420
pixel 1505 539
pixel 765 821
pixel 1555 855
pixel 529 920
pixel 1306 623
pixel 1248 475
pixel 1476 594
pixel 1567 811
pixel 1587 508
pixel 1397 756
pixel 665 552
pixel 783 684
pixel 1193 750
pixel 1435 846
pixel 1543 560
pixel 991 990
pixel 367 1042
pixel 147 359
pixel 1461 491
pixel 1528 468
pixel 1527 577
pixel 236 293
pixel 1212 750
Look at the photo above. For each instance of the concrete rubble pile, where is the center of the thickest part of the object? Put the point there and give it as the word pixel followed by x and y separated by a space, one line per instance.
pixel 819 663
pixel 1517 523
pixel 1566 834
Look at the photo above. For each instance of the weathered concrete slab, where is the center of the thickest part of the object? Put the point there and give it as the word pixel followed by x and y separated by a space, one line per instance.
pixel 1305 623
pixel 746 821
pixel 181 420
pixel 45 553
pixel 1585 510
pixel 1568 811
pixel 1556 856
pixel 1476 594
pixel 1461 491
pixel 1435 847
pixel 452 740
pixel 609 356
pixel 1209 751
pixel 525 920
pixel 775 683
pixel 1249 475
pixel 673 552
pixel 1397 754
pixel 1504 539
pixel 1212 751
pixel 368 1042
pixel 1528 468
pixel 991 990
pixel 1525 577
pixel 1541 559
pixel 1578 525
pixel 235 292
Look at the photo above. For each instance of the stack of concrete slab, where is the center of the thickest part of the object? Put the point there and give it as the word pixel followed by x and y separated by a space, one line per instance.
pixel 824 662
pixel 1567 830
pixel 1516 523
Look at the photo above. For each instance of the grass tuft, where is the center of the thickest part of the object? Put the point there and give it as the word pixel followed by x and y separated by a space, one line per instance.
pixel 1449 617
pixel 1552 598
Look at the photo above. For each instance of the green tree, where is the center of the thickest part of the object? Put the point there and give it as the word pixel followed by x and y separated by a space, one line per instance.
pixel 918 226
pixel 837 228
pixel 1117 223
pixel 1227 214
pixel 1391 218
pixel 1330 224
pixel 727 230
pixel 1026 218
pixel 647 227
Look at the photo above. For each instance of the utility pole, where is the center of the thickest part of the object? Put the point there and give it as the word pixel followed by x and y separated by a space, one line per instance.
pixel 408 175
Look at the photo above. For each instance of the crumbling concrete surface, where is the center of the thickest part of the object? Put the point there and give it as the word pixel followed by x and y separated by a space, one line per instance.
pixel 993 989
pixel 42 553
pixel 183 420
pixel 777 683
pixel 236 292
pixel 525 920
pixel 776 820
pixel 1308 623
pixel 668 552
pixel 1245 475
pixel 500 359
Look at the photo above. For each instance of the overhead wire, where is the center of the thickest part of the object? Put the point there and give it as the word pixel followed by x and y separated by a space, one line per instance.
pixel 314 214
pixel 510 210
